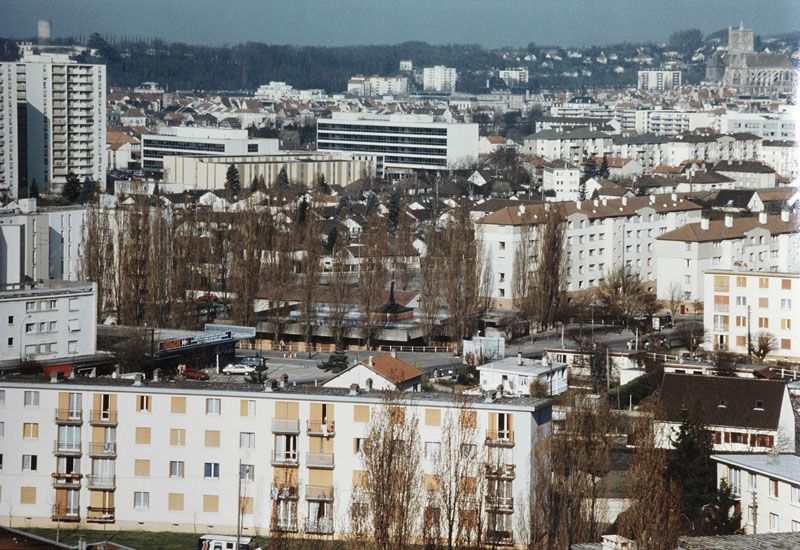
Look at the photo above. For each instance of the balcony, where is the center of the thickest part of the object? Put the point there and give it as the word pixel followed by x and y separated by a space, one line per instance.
pixel 500 503
pixel 317 492
pixel 323 526
pixel 500 438
pixel 285 426
pixel 319 428
pixel 102 483
pixel 66 481
pixel 99 514
pixel 69 417
pixel 500 471
pixel 106 449
pixel 67 448
pixel 103 418
pixel 499 538
pixel 284 458
pixel 66 513
pixel 284 492
pixel 320 460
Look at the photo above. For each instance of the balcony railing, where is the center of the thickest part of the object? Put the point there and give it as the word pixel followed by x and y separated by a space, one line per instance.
pixel 284 492
pixel 99 514
pixel 502 471
pixel 104 449
pixel 321 525
pixel 67 448
pixel 319 460
pixel 108 483
pixel 285 426
pixel 284 458
pixel 500 438
pixel 317 492
pixel 499 538
pixel 285 524
pixel 66 513
pixel 496 502
pixel 317 427
pixel 66 481
pixel 103 418
pixel 69 416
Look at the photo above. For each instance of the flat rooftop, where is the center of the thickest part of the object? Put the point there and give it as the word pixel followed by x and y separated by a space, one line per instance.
pixel 785 466
pixel 526 368
pixel 45 288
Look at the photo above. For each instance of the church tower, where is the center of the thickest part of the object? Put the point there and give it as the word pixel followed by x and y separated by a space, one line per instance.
pixel 740 40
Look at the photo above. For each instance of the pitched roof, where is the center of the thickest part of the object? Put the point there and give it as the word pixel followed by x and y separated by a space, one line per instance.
pixel 726 401
pixel 743 166
pixel 393 369
pixel 718 231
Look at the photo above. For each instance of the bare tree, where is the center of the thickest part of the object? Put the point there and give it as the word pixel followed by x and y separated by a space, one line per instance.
pixel 248 236
pixel 430 292
pixel 372 276
pixel 309 267
pixel 763 343
pixel 674 298
pixel 551 268
pixel 340 291
pixel 624 294
pixel 393 488
pixel 523 291
pixel 98 263
pixel 691 334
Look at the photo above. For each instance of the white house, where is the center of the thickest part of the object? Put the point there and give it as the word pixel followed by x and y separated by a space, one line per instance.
pixel 561 181
pixel 516 375
pixel 379 372
pixel 767 490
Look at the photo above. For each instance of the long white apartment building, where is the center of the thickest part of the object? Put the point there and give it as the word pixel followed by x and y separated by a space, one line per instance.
pixel 711 147
pixel 513 77
pixel 168 456
pixel 649 150
pixel 439 79
pixel 601 235
pixel 767 242
pixel 740 305
pixel 281 91
pixel 40 243
pixel 48 322
pixel 377 86
pixel 658 81
pixel 573 146
pixel 772 126
pixel 52 122
pixel 783 156
pixel 767 490
pixel 186 141
pixel 400 142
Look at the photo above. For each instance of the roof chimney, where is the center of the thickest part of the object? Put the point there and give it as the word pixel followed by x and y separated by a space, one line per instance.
pixel 284 380
pixel 624 201
pixel 519 358
pixel 674 196
pixel 578 205
pixel 596 202
pixel 521 209
pixel 784 215
pixel 704 223
pixel 369 384
pixel 156 375
pixel 652 199
pixel 728 220
pixel 393 353
pixel 54 377
pixel 369 360
pixel 762 218
pixel 353 389
pixel 269 385
pixel 137 379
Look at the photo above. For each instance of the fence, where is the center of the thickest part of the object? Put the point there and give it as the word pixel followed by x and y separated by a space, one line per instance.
pixel 300 347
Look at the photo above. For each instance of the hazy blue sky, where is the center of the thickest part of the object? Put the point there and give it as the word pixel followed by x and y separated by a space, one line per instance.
pixel 336 22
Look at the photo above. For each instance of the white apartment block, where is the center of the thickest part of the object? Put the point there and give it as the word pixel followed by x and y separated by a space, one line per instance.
pixel 768 243
pixel 782 156
pixel 767 490
pixel 439 79
pixel 281 91
pixel 186 141
pixel 561 181
pixel 741 303
pixel 53 117
pixel 41 243
pixel 711 147
pixel 747 174
pixel 649 150
pixel 601 235
pixel 774 126
pixel 400 142
pixel 378 86
pixel 658 81
pixel 671 121
pixel 48 322
pixel 573 146
pixel 514 77
pixel 159 456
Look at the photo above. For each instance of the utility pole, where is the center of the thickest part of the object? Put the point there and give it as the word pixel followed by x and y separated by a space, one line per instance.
pixel 239 508
pixel 749 343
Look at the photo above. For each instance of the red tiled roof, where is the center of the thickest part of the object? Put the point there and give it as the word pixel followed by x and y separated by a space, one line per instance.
pixel 392 368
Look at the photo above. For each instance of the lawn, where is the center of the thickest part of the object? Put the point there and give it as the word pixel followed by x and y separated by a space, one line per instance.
pixel 141 540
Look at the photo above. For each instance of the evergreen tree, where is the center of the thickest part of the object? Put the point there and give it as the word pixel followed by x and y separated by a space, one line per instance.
pixel 721 518
pixel 604 172
pixel 322 185
pixel 582 190
pixel 282 179
pixel 232 183
pixel 394 209
pixel 337 362
pixel 330 241
pixel 302 212
pixel 689 464
pixel 156 189
pixel 344 204
pixel 589 169
pixel 372 204
pixel 33 190
pixel 254 184
pixel 72 188
pixel 87 191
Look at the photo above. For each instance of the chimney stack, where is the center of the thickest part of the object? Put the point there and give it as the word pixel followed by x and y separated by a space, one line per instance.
pixel 519 358
pixel 269 385
pixel 578 205
pixel 393 353
pixel 369 360
pixel 762 218
pixel 784 215
pixel 624 201
pixel 353 389
pixel 54 377
pixel 369 384
pixel 156 375
pixel 728 220
pixel 704 223
pixel 137 379
pixel 652 199
pixel 284 380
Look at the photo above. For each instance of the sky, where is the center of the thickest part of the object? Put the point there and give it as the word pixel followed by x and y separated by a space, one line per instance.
pixel 491 23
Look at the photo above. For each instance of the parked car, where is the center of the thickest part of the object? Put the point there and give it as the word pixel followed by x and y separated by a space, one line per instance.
pixel 238 368
pixel 195 375
pixel 252 361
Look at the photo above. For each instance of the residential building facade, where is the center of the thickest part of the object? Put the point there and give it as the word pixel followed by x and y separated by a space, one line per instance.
pixel 658 81
pixel 439 79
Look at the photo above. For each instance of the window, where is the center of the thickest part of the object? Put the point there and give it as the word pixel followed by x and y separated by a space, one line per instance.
pixel 2 398
pixel 786 284
pixel 210 504
pixel 774 523
pixel 142 435
pixel 502 245
pixel 795 526
pixel 141 500
pixel 432 450
pixel 177 437
pixel 358 445
pixel 175 501
pixel 763 303
pixel 753 480
pixel 29 463
pixel 763 282
pixel 141 467
pixel 211 470
pixel 247 440
pixel 10 341
pixel 10 319
pixel 143 403
pixel 786 343
pixel 763 322
pixel 247 472
pixel 795 494
pixel 759 405
pixel 786 304
pixel 30 306
pixel 176 468
pixel 31 399
pixel 741 300
pixel 27 495
pixel 735 481
pixel 741 321
pixel 2 430
pixel 786 324
pixel 212 438
pixel 177 405
pixel 773 488
pixel 30 430
pixel 248 408
pixel 212 406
